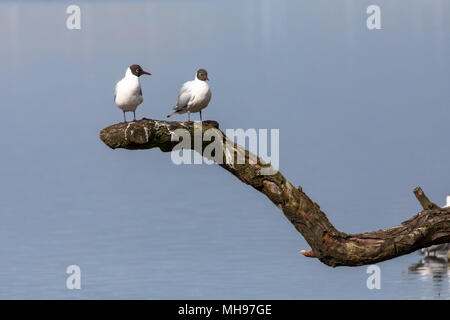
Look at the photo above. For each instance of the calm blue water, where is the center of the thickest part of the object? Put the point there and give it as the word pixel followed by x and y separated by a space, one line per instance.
pixel 363 118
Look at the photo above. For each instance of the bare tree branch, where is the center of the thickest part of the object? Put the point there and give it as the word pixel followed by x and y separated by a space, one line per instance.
pixel 423 199
pixel 332 247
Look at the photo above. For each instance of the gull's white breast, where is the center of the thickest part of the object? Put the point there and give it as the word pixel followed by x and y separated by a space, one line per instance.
pixel 128 94
pixel 201 95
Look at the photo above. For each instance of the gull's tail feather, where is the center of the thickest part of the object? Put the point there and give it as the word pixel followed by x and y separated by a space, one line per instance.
pixel 178 110
pixel 173 114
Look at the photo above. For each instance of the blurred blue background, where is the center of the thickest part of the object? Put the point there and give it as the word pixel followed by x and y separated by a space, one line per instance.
pixel 363 118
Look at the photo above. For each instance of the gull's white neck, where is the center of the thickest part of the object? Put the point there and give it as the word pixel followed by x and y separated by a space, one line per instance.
pixel 448 201
pixel 129 74
pixel 197 80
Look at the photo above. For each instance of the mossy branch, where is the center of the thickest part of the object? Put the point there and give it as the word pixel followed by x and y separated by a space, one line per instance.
pixel 332 247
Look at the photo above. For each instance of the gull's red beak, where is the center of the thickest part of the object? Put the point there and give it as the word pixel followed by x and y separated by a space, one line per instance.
pixel 207 78
pixel 145 72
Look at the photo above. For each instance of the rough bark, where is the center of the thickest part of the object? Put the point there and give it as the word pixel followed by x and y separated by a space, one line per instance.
pixel 332 247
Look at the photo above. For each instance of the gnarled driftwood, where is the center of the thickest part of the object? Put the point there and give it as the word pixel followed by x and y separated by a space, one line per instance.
pixel 332 247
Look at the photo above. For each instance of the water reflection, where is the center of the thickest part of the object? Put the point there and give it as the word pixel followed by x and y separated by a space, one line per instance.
pixel 434 265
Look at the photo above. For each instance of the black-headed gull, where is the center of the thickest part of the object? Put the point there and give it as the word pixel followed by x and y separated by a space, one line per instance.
pixel 128 92
pixel 194 95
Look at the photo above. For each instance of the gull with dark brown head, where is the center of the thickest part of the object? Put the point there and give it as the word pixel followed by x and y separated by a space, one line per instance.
pixel 434 249
pixel 128 91
pixel 194 95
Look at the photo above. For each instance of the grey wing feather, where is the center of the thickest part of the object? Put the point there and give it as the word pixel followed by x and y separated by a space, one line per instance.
pixel 183 97
pixel 208 97
pixel 115 92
